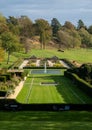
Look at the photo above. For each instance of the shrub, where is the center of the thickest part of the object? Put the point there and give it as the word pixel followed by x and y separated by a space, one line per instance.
pixel 8 76
pixel 2 93
pixel 15 80
pixel 33 64
pixel 57 65
pixel 3 78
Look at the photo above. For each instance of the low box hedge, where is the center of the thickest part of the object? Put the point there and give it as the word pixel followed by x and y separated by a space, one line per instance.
pixel 2 93
pixel 8 76
pixel 42 67
pixel 2 78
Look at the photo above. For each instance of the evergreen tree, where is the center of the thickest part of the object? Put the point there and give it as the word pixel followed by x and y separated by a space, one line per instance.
pixel 56 26
pixel 81 24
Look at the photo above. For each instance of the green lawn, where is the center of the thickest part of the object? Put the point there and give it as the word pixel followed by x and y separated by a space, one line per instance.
pixel 46 120
pixel 26 120
pixel 64 92
pixel 81 55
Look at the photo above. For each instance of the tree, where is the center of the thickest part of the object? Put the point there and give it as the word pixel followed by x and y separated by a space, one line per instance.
pixel 1 54
pixel 86 38
pixel 26 44
pixel 45 31
pixel 13 25
pixel 26 32
pixel 81 24
pixel 64 39
pixel 56 26
pixel 25 25
pixel 9 43
pixel 69 25
pixel 3 24
pixel 69 36
pixel 90 29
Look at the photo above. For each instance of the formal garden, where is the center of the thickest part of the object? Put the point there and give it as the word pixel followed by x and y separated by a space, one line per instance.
pixel 45 74
pixel 44 81
pixel 65 90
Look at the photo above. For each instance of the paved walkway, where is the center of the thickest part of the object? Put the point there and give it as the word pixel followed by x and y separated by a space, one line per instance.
pixel 23 64
pixel 38 63
pixel 50 63
pixel 64 64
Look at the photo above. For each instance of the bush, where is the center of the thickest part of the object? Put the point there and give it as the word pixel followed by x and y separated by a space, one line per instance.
pixel 3 78
pixel 8 76
pixel 57 65
pixel 15 80
pixel 2 93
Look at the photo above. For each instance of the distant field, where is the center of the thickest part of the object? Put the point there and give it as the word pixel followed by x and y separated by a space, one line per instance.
pixel 64 92
pixel 80 55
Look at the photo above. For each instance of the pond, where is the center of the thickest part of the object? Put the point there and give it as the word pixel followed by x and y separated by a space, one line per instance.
pixel 48 71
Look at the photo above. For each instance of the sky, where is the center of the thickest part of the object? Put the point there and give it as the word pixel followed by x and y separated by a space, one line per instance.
pixel 63 10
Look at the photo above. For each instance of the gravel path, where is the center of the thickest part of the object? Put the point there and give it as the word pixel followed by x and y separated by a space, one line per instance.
pixel 38 63
pixel 50 63
pixel 23 64
pixel 64 64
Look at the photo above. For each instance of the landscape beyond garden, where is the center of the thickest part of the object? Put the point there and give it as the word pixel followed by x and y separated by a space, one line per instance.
pixel 60 53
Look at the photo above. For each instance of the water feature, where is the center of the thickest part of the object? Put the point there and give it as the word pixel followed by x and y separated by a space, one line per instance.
pixel 48 71
pixel 45 68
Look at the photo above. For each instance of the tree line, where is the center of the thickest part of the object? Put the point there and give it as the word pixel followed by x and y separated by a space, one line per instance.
pixel 16 32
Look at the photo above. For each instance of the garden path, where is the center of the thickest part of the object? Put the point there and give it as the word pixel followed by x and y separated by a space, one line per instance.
pixel 23 64
pixel 38 63
pixel 64 64
pixel 16 91
pixel 50 63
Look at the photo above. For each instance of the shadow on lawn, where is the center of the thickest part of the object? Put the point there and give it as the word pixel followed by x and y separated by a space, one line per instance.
pixel 62 84
pixel 46 116
pixel 67 90
pixel 27 120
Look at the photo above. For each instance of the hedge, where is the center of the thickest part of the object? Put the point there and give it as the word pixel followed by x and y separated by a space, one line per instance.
pixel 82 84
pixel 2 93
pixel 8 76
pixel 3 78
pixel 41 67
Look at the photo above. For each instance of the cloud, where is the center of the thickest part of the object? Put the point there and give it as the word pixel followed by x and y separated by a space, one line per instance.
pixel 61 9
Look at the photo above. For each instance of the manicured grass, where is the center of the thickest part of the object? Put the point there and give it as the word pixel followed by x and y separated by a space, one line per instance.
pixel 46 120
pixel 81 55
pixel 64 92
pixel 4 63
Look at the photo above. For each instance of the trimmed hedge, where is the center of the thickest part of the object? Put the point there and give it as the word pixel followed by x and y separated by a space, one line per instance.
pixel 2 78
pixel 8 76
pixel 41 67
pixel 82 84
pixel 2 93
